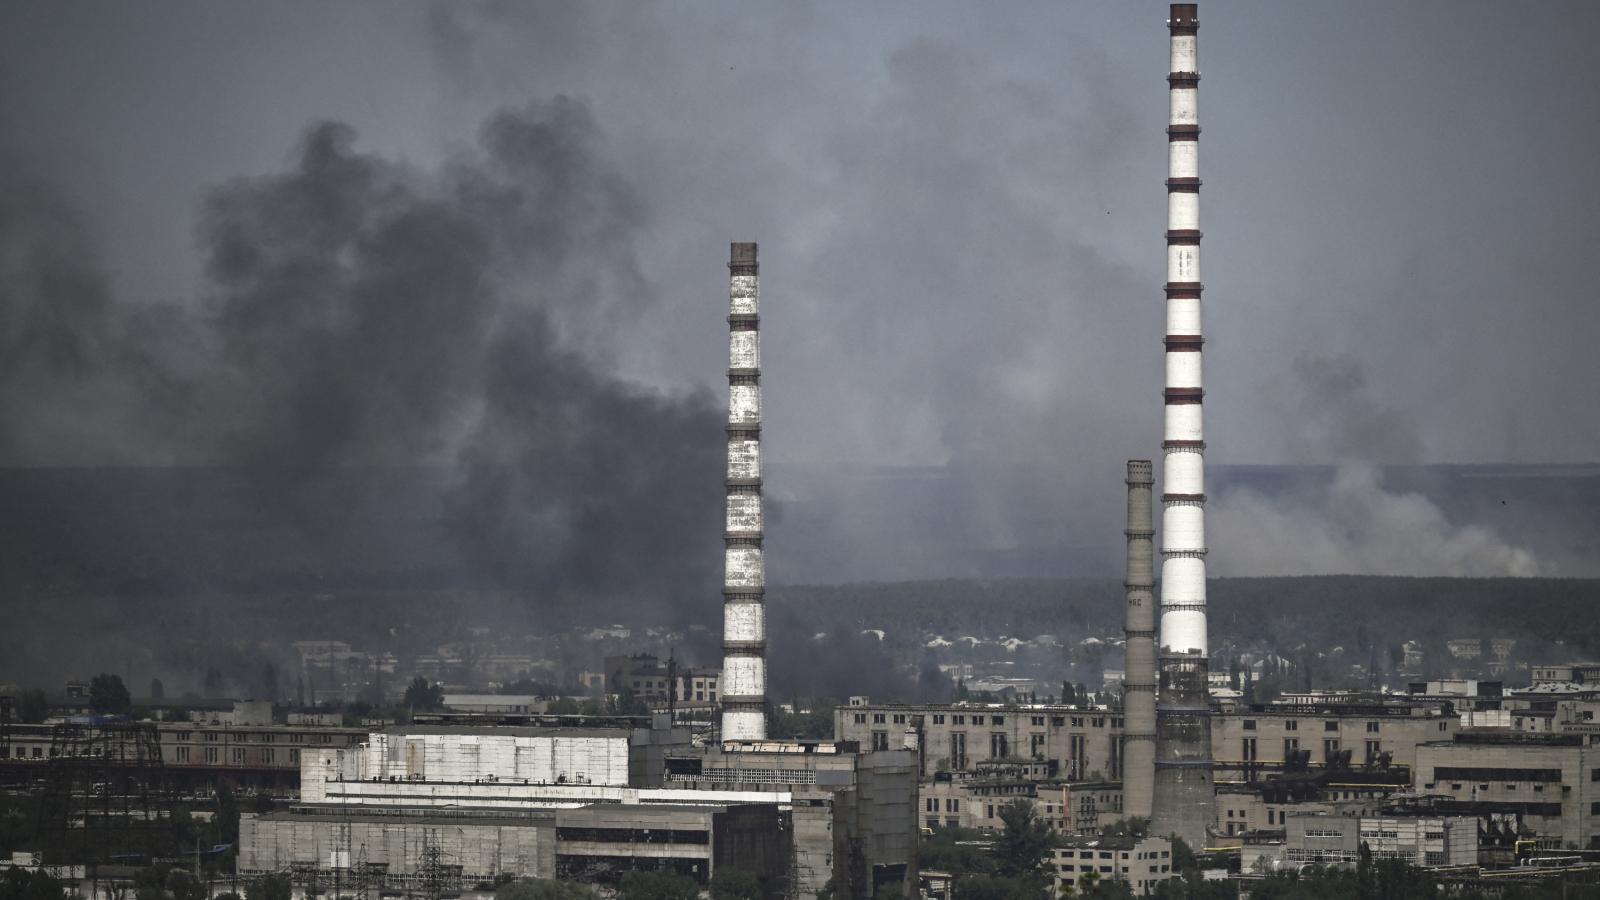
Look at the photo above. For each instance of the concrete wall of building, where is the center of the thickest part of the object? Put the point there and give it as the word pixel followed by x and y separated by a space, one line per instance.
pixel 978 803
pixel 846 805
pixel 1548 782
pixel 1397 730
pixel 1242 810
pixel 556 758
pixel 264 754
pixel 1091 806
pixel 679 838
pixel 951 737
pixel 1426 841
pixel 1141 864
pixel 886 816
pixel 278 842
pixel 1322 839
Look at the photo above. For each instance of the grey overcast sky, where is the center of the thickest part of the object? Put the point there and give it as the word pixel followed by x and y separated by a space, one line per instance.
pixel 960 206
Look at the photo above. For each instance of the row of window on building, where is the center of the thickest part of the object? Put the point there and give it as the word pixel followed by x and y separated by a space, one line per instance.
pixel 1330 746
pixel 961 719
pixel 1327 725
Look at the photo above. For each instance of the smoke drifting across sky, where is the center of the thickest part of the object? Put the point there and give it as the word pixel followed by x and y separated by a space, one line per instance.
pixel 356 311
pixel 960 212
pixel 1352 522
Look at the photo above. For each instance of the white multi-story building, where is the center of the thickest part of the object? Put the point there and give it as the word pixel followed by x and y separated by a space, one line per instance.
pixel 1142 863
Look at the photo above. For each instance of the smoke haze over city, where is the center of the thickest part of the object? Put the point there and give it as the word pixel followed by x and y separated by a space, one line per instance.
pixel 384 512
pixel 487 240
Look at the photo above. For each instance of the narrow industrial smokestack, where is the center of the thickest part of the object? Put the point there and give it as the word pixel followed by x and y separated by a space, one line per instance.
pixel 744 626
pixel 1139 649
pixel 1184 796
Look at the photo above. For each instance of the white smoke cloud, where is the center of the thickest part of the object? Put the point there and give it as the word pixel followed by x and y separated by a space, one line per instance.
pixel 1358 527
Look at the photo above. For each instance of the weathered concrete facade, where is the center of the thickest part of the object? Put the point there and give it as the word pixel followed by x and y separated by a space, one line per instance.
pixel 337 847
pixel 1549 783
pixel 338 842
pixel 854 814
pixel 1141 863
pixel 1249 741
pixel 1077 744
pixel 1423 841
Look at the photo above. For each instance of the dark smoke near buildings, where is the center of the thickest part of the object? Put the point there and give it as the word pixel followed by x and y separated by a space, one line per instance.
pixel 414 344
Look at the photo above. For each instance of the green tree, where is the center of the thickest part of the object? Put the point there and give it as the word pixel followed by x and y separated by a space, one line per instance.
pixel 20 884
pixel 657 886
pixel 543 889
pixel 1183 858
pixel 1092 886
pixel 1135 826
pixel 108 696
pixel 812 719
pixel 1022 845
pixel 423 695
pixel 996 887
pixel 18 818
pixel 271 887
pixel 1187 882
pixel 150 883
pixel 944 851
pixel 226 820
pixel 626 703
pixel 735 884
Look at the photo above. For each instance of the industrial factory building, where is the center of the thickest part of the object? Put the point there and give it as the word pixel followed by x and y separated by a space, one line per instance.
pixel 1546 784
pixel 1426 841
pixel 977 799
pixel 955 737
pixel 652 679
pixel 391 851
pixel 244 749
pixel 482 801
pixel 854 813
pixel 1250 740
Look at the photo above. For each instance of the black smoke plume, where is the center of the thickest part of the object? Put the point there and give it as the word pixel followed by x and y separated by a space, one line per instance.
pixel 374 344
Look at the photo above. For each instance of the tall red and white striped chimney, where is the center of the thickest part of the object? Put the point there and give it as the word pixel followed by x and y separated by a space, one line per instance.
pixel 744 626
pixel 1184 796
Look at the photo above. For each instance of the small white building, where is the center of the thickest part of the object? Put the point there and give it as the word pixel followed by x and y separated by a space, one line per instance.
pixel 1143 863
